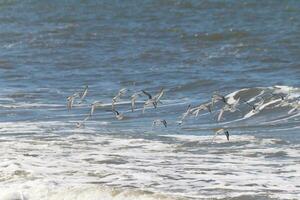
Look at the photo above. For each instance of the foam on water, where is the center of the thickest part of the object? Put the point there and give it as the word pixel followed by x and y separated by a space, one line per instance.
pixel 36 190
pixel 46 159
pixel 51 49
pixel 71 166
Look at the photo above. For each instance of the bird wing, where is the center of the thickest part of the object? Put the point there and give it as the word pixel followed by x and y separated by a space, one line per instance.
pixel 84 93
pixel 159 95
pixel 92 110
pixel 220 114
pixel 132 104
pixel 227 135
pixel 122 91
pixel 70 102
pixel 208 106
pixel 154 103
pixel 146 93
pixel 165 123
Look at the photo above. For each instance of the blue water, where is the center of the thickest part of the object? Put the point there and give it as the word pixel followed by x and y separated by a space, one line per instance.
pixel 49 50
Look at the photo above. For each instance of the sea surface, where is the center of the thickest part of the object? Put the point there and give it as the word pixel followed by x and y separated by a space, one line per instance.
pixel 247 50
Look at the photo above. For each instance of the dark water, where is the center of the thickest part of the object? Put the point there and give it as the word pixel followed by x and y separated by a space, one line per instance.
pixel 49 50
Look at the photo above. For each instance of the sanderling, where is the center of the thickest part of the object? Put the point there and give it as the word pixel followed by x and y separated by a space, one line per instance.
pixel 228 107
pixel 81 124
pixel 152 100
pixel 185 114
pixel 217 97
pixel 83 94
pixel 118 115
pixel 70 100
pixel 197 109
pixel 133 99
pixel 221 131
pixel 117 97
pixel 94 105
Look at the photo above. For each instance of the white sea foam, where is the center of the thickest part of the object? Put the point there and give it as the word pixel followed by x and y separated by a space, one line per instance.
pixel 83 165
pixel 55 160
pixel 37 190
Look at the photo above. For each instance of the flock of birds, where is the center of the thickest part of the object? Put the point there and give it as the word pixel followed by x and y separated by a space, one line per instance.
pixel 154 101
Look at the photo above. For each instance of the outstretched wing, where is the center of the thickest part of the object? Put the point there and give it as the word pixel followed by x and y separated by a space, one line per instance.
pixel 165 123
pixel 146 93
pixel 159 95
pixel 84 93
pixel 220 114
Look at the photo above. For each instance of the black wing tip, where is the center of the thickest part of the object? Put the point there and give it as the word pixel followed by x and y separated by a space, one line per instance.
pixel 227 135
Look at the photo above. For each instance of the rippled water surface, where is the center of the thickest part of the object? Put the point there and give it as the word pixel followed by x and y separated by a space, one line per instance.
pixel 242 49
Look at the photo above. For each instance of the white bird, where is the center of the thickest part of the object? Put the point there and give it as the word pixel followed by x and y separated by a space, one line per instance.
pixel 118 115
pixel 217 97
pixel 152 100
pixel 81 124
pixel 258 106
pixel 94 105
pixel 185 114
pixel 159 121
pixel 228 107
pixel 70 100
pixel 196 110
pixel 83 94
pixel 133 99
pixel 221 131
pixel 158 96
pixel 121 93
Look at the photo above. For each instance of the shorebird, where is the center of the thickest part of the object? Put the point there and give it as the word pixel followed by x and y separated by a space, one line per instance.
pixel 152 100
pixel 158 96
pixel 159 121
pixel 284 100
pixel 133 99
pixel 83 94
pixel 196 110
pixel 118 115
pixel 221 131
pixel 94 105
pixel 217 97
pixel 257 107
pixel 121 93
pixel 185 114
pixel 81 124
pixel 228 107
pixel 70 100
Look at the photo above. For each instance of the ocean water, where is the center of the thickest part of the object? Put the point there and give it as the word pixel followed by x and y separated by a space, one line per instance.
pixel 242 49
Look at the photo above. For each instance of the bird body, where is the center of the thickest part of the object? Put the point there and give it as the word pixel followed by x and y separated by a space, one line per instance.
pixel 221 131
pixel 196 110
pixel 83 94
pixel 217 97
pixel 94 105
pixel 152 100
pixel 71 100
pixel 82 124
pixel 133 99
pixel 121 93
pixel 185 114
pixel 228 107
pixel 118 115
